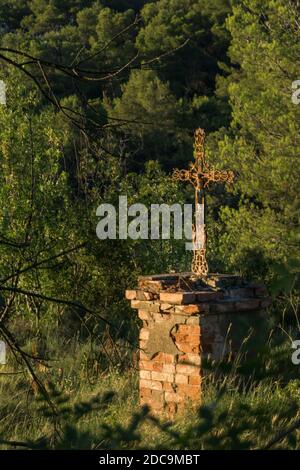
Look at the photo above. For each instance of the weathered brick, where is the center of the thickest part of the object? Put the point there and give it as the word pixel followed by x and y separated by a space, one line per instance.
pixel 190 359
pixel 157 366
pixel 189 339
pixel 173 397
pixel 189 329
pixel 154 286
pixel 164 358
pixel 157 394
pixel 169 368
pixel 143 295
pixel 144 315
pixel 144 334
pixel 143 356
pixel 145 392
pixel 146 365
pixel 145 305
pixel 194 379
pixel 190 391
pixel 130 294
pixel 186 347
pixel 152 384
pixel 192 309
pixel 166 307
pixel 145 374
pixel 162 376
pixel 155 404
pixel 168 380
pixel 167 386
pixel 177 297
pixel 181 379
pixel 171 409
pixel 193 320
pixel 187 369
pixel 159 317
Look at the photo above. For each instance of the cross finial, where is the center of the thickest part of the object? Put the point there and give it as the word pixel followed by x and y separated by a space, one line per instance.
pixel 200 175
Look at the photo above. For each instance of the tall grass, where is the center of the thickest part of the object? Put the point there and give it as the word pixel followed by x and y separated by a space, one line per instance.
pixel 242 406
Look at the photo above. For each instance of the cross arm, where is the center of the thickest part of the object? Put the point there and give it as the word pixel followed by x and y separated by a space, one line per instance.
pixel 217 176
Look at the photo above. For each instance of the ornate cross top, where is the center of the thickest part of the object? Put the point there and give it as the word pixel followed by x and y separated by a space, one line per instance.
pixel 200 175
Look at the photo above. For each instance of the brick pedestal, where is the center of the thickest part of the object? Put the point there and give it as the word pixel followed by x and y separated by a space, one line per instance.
pixel 186 320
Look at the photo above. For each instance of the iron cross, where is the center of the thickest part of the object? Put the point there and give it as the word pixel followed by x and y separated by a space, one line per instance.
pixel 200 175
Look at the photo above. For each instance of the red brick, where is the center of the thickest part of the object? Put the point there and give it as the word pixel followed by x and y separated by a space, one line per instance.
pixel 181 379
pixel 164 358
pixel 189 329
pixel 193 320
pixel 166 307
pixel 154 286
pixel 144 334
pixel 157 366
pixel 145 374
pixel 172 397
pixel 152 384
pixel 169 368
pixel 190 391
pixel 159 317
pixel 187 369
pixel 130 294
pixel 171 409
pixel 157 395
pixel 145 305
pixel 167 386
pixel 144 315
pixel 145 392
pixel 155 404
pixel 178 298
pixel 188 348
pixel 143 356
pixel 146 365
pixel 142 295
pixel 161 376
pixel 192 309
pixel 190 359
pixel 194 379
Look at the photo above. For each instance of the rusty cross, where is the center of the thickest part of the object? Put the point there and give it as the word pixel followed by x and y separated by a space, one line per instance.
pixel 200 175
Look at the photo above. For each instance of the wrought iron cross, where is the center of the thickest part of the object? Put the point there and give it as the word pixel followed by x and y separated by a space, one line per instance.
pixel 200 175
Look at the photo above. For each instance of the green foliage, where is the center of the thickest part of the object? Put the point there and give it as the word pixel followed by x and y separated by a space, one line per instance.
pixel 263 140
pixel 239 410
pixel 187 63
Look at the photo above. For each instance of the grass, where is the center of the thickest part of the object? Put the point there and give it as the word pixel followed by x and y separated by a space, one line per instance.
pixel 238 411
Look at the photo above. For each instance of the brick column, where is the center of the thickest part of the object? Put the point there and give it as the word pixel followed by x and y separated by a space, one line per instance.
pixel 181 327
